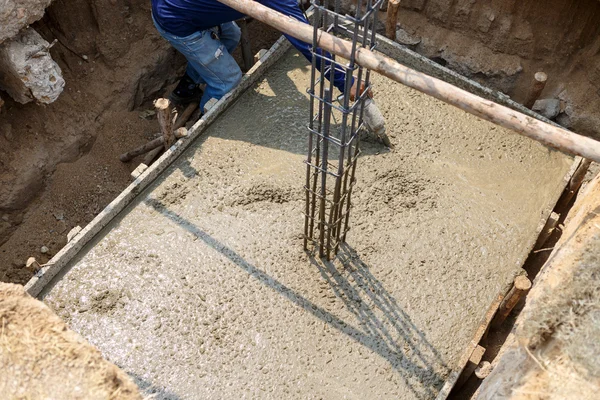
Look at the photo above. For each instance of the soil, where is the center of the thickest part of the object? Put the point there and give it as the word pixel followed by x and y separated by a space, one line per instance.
pixel 41 358
pixel 206 269
pixel 502 44
pixel 59 163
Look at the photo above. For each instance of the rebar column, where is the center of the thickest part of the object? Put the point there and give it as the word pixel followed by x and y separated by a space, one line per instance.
pixel 335 124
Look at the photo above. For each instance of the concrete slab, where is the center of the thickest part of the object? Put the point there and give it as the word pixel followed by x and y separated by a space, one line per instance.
pixel 200 289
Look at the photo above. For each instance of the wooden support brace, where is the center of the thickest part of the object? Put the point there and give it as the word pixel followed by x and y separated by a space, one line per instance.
pixel 152 155
pixel 549 227
pixel 392 18
pixel 520 288
pixel 573 186
pixel 539 82
pixel 245 44
pixel 185 115
pixel 158 142
pixel 471 366
pixel 165 120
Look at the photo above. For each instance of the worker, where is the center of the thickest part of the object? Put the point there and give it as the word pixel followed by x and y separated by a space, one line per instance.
pixel 204 31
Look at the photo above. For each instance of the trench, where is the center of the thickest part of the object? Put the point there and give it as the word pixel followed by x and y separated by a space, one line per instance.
pixel 204 271
pixel 200 288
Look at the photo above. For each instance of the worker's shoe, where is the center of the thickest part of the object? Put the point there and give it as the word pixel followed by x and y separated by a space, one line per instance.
pixel 187 91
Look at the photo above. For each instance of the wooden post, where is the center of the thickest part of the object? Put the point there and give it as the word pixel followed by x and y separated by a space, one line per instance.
pixel 520 288
pixel 165 120
pixel 185 115
pixel 539 82
pixel 549 135
pixel 392 18
pixel 472 364
pixel 245 44
pixel 151 145
pixel 573 186
pixel 32 264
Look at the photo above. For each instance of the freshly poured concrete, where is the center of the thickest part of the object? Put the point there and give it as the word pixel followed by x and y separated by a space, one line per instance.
pixel 201 288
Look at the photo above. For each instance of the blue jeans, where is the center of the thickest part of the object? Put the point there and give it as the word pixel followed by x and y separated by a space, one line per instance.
pixel 209 58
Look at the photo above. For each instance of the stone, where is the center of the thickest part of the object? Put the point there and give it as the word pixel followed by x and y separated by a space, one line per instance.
pixel 18 14
pixel 405 38
pixel 549 108
pixel 6 130
pixel 32 264
pixel 44 250
pixel 28 71
pixel 73 232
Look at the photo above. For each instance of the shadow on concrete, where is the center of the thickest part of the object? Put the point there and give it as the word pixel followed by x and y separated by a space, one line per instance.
pixel 384 329
pixel 150 391
pixel 383 322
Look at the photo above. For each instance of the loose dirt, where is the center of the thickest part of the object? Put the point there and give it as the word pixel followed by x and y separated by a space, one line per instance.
pixel 41 358
pixel 59 163
pixel 201 288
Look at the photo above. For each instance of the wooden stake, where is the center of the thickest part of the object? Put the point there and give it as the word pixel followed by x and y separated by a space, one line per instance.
pixel 573 186
pixel 163 113
pixel 32 264
pixel 245 44
pixel 152 155
pixel 521 286
pixel 549 135
pixel 153 144
pixel 392 18
pixel 185 115
pixel 471 366
pixel 539 82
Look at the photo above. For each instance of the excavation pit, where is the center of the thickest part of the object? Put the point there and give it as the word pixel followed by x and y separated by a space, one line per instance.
pixel 200 287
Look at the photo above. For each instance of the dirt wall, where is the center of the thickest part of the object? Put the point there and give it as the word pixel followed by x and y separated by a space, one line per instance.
pixel 41 358
pixel 502 43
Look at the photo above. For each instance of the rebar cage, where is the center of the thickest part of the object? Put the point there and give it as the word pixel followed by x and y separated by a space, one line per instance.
pixel 335 124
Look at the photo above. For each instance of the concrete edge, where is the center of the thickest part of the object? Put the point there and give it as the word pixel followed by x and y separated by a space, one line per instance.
pixel 43 277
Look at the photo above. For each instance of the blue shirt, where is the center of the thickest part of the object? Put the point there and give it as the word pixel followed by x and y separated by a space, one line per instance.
pixel 184 17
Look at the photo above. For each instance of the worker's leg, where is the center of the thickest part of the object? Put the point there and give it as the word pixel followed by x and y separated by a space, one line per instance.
pixel 208 62
pixel 230 35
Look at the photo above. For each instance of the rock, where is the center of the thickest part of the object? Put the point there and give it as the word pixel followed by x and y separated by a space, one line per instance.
pixel 406 39
pixel 44 250
pixel 32 264
pixel 5 217
pixel 73 232
pixel 28 71
pixel 549 108
pixel 17 14
pixel 6 130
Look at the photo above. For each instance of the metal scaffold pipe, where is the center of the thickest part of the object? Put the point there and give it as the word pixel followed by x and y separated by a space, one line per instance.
pixel 549 135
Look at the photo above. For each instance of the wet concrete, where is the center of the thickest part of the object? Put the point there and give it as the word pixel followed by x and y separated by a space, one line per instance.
pixel 201 288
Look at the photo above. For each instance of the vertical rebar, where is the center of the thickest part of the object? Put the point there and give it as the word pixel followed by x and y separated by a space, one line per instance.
pixel 331 134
